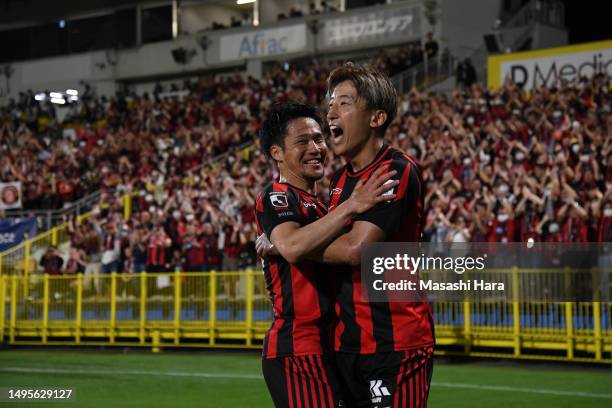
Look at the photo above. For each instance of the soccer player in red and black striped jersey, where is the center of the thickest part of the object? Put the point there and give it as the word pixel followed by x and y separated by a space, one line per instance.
pixel 384 350
pixel 296 355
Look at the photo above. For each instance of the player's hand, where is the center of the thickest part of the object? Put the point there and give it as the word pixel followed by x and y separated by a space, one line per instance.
pixel 264 247
pixel 378 188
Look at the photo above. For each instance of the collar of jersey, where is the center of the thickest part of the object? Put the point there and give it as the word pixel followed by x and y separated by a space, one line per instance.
pixel 374 162
pixel 299 189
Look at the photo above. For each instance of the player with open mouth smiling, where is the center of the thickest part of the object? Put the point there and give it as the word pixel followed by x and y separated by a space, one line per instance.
pixel 296 362
pixel 384 350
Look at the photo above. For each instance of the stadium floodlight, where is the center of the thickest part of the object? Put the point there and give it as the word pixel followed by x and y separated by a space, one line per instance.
pixel 59 101
pixel 73 98
pixel 72 92
pixel 245 1
pixel 56 95
pixel 40 96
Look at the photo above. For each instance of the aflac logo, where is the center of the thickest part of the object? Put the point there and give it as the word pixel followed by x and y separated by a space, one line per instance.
pixel 253 45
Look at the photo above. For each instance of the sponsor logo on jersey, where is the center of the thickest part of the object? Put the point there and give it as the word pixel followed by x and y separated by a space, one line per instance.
pixel 378 390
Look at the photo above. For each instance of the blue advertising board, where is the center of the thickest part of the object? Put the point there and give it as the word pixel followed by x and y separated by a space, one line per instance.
pixel 13 231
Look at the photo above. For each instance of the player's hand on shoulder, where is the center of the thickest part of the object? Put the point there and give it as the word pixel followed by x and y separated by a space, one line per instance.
pixel 378 188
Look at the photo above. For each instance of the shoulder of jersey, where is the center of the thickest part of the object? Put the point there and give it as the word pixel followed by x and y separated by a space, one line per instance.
pixel 265 195
pixel 279 195
pixel 401 159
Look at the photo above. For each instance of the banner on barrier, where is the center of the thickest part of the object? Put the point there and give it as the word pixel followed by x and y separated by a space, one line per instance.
pixel 402 24
pixel 263 43
pixel 10 195
pixel 13 231
pixel 546 67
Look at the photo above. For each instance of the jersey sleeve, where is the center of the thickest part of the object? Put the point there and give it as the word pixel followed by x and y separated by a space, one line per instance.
pixel 278 207
pixel 390 215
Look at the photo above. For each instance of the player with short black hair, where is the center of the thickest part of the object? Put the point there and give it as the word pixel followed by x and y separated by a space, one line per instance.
pixel 274 128
pixel 296 355
pixel 384 350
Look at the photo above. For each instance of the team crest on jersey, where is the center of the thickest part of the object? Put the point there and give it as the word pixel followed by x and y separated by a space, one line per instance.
pixel 279 200
pixel 386 193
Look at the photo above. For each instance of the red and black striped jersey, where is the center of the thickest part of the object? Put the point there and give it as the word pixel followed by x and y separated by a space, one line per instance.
pixel 372 327
pixel 300 293
pixel 156 252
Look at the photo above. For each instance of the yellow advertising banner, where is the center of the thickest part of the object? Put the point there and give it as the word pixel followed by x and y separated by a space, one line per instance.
pixel 547 66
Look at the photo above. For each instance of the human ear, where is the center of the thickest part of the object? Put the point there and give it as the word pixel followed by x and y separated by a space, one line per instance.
pixel 378 118
pixel 277 153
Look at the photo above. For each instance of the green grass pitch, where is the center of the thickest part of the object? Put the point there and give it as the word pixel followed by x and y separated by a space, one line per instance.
pixel 221 379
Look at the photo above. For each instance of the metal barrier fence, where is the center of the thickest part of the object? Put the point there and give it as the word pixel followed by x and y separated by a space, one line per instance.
pixel 425 74
pixel 22 258
pixel 47 219
pixel 231 309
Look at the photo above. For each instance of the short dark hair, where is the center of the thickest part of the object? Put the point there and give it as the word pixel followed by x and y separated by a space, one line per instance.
pixel 372 85
pixel 274 128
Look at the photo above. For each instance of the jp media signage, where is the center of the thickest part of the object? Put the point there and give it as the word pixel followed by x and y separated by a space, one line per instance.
pixel 546 67
pixel 263 43
pixel 387 25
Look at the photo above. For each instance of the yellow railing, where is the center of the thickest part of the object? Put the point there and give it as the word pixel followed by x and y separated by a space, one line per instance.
pixel 21 259
pixel 183 309
pixel 231 309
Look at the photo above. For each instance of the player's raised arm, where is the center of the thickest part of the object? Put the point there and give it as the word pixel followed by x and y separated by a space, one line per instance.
pixel 346 249
pixel 379 223
pixel 294 242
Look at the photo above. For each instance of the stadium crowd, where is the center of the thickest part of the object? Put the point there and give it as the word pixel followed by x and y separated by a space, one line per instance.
pixel 499 166
pixel 124 142
pixel 512 166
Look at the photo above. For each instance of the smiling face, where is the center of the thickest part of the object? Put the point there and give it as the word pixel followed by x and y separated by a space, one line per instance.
pixel 302 158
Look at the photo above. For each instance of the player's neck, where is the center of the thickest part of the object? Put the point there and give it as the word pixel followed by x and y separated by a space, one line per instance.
pixel 367 154
pixel 299 182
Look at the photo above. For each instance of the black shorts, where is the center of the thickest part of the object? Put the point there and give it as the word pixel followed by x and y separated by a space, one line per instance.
pixel 396 379
pixel 302 381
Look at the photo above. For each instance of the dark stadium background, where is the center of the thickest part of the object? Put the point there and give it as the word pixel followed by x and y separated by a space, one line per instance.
pixel 188 332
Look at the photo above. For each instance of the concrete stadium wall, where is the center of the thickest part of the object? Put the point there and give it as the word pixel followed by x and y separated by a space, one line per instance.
pixel 61 73
pixel 460 27
pixel 548 37
pixel 196 18
pixel 463 23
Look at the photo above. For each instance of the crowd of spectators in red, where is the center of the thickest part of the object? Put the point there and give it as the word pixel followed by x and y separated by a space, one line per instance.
pixel 499 166
pixel 124 142
pixel 511 166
